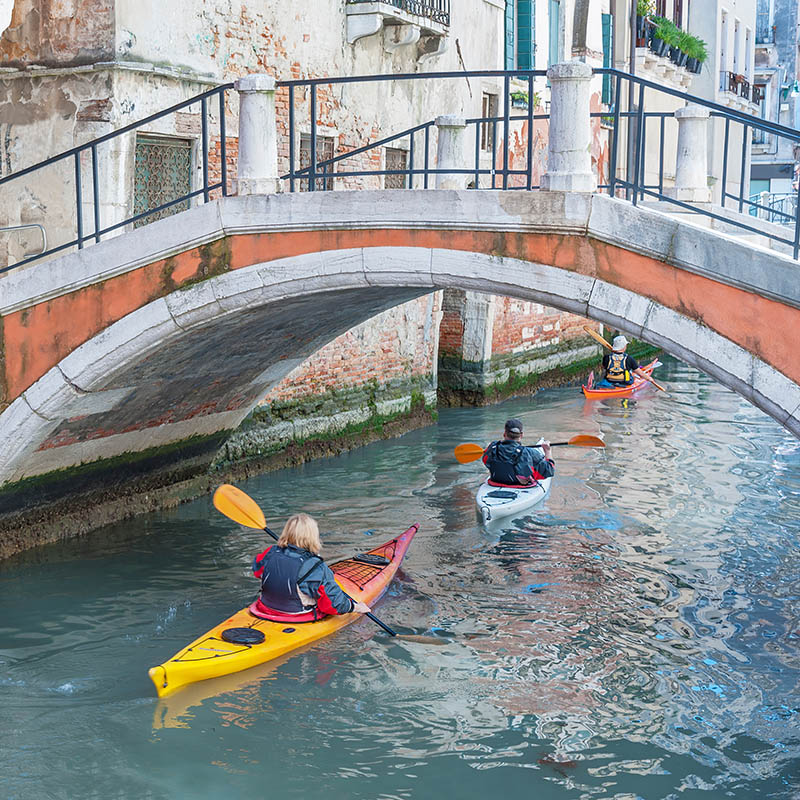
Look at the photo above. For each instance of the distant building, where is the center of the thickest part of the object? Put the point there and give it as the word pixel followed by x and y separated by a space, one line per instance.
pixel 773 181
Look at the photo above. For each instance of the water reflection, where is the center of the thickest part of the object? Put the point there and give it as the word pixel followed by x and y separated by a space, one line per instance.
pixel 635 635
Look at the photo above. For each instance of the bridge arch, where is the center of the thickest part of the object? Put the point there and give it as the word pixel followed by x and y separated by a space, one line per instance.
pixel 199 349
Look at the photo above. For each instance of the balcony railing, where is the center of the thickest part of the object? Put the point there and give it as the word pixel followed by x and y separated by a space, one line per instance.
pixel 737 84
pixel 436 10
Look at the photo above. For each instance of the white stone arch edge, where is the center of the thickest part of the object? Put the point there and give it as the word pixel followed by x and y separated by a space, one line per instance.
pixel 75 385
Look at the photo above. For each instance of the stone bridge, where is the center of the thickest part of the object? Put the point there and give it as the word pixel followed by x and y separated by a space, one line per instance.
pixel 136 358
pixel 125 366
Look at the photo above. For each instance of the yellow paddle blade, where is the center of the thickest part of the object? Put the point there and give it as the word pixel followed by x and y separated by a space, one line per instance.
pixel 595 335
pixel 239 507
pixel 465 453
pixel 584 440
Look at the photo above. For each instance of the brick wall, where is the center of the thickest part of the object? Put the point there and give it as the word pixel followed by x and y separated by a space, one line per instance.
pixel 520 326
pixel 393 347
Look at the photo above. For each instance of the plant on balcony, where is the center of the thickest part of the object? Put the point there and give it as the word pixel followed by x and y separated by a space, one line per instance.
pixel 697 54
pixel 519 99
pixel 644 9
pixel 664 35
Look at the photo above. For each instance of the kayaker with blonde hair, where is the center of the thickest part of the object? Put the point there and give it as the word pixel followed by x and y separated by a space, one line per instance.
pixel 296 584
pixel 620 368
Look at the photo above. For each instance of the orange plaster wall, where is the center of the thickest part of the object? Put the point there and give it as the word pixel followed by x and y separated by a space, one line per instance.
pixel 38 338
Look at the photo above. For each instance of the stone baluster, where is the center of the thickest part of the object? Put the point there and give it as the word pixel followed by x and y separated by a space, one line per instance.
pixel 569 159
pixel 691 171
pixel 258 135
pixel 450 151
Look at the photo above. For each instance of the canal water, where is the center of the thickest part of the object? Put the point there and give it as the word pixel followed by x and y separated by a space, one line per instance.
pixel 637 635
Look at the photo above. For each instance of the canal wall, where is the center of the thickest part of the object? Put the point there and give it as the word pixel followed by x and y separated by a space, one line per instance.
pixel 493 347
pixel 380 371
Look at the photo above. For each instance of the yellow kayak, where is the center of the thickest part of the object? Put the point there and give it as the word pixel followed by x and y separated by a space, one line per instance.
pixel 228 648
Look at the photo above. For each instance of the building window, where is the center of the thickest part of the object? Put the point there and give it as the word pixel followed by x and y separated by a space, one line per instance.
pixel 324 152
pixel 661 8
pixel 677 13
pixel 395 159
pixel 162 173
pixel 520 34
pixel 488 109
pixel 764 31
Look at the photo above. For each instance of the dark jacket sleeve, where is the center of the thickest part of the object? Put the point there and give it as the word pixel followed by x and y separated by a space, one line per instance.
pixel 321 585
pixel 258 563
pixel 544 466
pixel 632 363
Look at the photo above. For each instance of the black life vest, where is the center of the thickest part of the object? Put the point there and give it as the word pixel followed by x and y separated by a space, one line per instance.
pixel 503 462
pixel 284 569
pixel 616 372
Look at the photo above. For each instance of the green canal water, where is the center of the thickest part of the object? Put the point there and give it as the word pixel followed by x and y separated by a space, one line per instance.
pixel 637 635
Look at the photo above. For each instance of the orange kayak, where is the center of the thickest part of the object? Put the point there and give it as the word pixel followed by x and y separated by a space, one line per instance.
pixel 594 393
pixel 364 577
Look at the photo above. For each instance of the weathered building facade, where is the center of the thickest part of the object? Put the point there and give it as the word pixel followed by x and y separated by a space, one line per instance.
pixel 78 69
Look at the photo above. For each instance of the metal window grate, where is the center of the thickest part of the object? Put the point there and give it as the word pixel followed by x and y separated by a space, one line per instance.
pixel 162 173
pixel 396 159
pixel 325 151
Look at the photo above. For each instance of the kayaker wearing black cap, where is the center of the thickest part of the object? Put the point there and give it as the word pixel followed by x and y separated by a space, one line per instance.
pixel 620 368
pixel 296 584
pixel 511 463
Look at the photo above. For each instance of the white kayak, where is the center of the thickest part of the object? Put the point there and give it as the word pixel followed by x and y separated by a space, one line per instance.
pixel 495 502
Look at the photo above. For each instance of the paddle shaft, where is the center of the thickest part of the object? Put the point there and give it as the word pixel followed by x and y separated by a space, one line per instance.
pixel 368 614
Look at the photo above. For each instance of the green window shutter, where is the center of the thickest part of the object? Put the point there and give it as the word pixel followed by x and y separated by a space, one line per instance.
pixel 554 52
pixel 607 57
pixel 509 43
pixel 526 36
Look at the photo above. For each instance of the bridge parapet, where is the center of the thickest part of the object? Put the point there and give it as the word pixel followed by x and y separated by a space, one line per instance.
pixel 630 158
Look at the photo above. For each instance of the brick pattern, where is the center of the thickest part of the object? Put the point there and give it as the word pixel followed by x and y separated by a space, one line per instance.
pixel 396 345
pixel 520 326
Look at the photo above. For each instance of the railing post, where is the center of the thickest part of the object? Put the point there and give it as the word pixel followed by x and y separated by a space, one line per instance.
pixel 569 160
pixel 691 171
pixel 450 152
pixel 258 136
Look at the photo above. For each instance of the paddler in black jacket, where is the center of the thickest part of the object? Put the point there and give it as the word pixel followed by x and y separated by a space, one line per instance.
pixel 296 584
pixel 511 463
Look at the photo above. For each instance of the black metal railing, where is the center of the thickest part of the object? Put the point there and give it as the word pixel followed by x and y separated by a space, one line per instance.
pixel 506 150
pixel 80 169
pixel 436 10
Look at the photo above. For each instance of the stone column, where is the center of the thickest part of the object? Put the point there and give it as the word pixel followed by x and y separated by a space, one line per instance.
pixel 450 151
pixel 258 136
pixel 691 171
pixel 569 150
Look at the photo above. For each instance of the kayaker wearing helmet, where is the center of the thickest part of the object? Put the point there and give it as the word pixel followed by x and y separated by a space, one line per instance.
pixel 510 463
pixel 296 584
pixel 619 367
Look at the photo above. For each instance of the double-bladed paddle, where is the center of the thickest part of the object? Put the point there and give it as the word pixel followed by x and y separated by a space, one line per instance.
pixel 240 507
pixel 471 452
pixel 595 335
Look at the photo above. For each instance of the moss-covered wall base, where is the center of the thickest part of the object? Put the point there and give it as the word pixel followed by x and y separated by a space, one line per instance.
pixel 565 364
pixel 68 503
pixel 474 384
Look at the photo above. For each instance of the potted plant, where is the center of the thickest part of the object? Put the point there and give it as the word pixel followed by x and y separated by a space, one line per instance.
pixel 519 99
pixel 644 8
pixel 662 35
pixel 684 44
pixel 697 52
